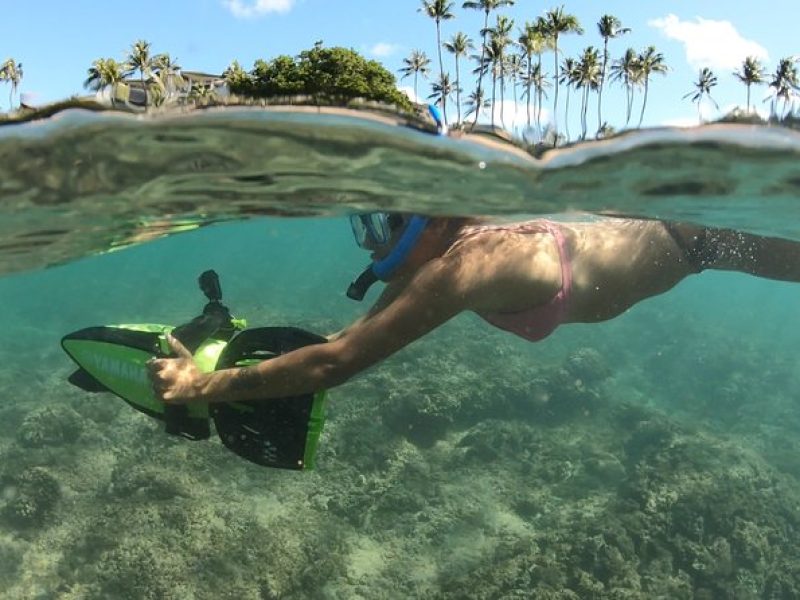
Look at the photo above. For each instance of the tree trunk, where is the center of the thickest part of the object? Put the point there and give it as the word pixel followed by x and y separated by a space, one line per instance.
pixel 483 57
pixel 528 91
pixel 629 100
pixel 516 104
pixel 555 96
pixel 584 106
pixel 539 91
pixel 539 131
pixel 502 100
pixel 644 102
pixel 600 89
pixel 441 70
pixel 458 92
pixel 494 93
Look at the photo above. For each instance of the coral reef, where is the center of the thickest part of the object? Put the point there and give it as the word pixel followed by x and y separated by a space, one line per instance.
pixel 639 462
pixel 541 484
pixel 29 497
pixel 50 426
pixel 10 560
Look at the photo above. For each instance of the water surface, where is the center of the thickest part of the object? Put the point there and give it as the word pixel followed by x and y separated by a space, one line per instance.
pixel 654 455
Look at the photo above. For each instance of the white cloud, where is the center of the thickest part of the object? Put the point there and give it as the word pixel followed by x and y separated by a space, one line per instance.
pixel 512 119
pixel 383 49
pixel 258 8
pixel 713 44
pixel 515 121
pixel 680 122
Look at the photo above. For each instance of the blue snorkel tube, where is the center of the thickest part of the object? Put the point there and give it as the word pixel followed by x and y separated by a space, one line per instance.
pixel 383 269
pixel 386 267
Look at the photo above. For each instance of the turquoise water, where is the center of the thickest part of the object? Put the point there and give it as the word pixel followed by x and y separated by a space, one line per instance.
pixel 654 455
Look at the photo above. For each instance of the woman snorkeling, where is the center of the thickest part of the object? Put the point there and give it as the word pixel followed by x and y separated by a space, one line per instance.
pixel 527 278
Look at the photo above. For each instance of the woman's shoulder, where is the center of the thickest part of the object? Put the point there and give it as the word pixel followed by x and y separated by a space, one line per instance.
pixel 486 232
pixel 488 249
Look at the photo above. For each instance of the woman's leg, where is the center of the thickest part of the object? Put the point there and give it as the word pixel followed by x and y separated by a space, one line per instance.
pixel 731 250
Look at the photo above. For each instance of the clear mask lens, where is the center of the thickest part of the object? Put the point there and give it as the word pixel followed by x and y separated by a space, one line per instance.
pixel 371 229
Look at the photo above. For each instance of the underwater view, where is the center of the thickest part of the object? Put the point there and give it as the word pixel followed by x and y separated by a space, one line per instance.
pixel 479 300
pixel 653 455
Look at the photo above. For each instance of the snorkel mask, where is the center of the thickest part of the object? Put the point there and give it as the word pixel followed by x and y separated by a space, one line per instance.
pixel 374 231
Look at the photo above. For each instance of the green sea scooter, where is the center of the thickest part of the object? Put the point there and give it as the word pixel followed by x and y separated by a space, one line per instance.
pixel 281 433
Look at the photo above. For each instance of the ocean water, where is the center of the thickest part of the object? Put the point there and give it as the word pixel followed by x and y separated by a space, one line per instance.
pixel 653 455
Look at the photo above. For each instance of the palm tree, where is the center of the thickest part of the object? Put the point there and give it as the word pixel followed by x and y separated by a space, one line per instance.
pixel 168 70
pixel 494 57
pixel 485 62
pixel 752 73
pixel 588 72
pixel 165 76
pixel 202 94
pixel 532 40
pixel 541 28
pixel 3 75
pixel 648 63
pixel 15 77
pixel 487 6
pixel 441 90
pixel 95 80
pixel 498 42
pixel 476 103
pixel 106 72
pixel 570 74
pixel 438 10
pixel 702 88
pixel 514 68
pixel 416 63
pixel 536 83
pixel 626 69
pixel 785 83
pixel 558 23
pixel 139 58
pixel 458 46
pixel 609 27
pixel 11 72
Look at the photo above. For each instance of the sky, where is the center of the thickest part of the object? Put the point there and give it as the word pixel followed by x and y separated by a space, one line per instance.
pixel 57 41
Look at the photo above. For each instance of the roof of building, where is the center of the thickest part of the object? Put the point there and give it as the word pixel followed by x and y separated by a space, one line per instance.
pixel 198 76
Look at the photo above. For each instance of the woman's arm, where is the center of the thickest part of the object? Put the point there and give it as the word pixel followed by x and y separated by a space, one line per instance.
pixel 387 296
pixel 430 299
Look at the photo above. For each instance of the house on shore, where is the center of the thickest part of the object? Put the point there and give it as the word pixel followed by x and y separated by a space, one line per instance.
pixel 177 89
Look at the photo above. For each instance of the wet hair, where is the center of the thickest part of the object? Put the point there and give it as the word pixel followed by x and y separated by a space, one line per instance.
pixel 395 220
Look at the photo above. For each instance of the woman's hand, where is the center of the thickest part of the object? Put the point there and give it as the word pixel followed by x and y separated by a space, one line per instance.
pixel 176 380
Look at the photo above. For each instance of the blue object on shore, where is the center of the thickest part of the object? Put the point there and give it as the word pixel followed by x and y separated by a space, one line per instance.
pixel 434 111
